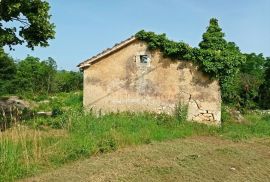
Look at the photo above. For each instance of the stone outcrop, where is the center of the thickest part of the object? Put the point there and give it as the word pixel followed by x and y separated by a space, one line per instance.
pixel 12 109
pixel 13 102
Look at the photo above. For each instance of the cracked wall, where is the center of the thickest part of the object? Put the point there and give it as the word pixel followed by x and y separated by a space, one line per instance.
pixel 119 82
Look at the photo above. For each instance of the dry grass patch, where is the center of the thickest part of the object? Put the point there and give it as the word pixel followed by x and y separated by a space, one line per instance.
pixel 191 159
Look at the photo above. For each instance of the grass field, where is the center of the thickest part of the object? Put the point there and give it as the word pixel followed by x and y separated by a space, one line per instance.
pixel 191 159
pixel 43 144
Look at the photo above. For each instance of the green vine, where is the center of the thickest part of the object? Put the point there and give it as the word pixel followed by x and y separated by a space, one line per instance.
pixel 216 57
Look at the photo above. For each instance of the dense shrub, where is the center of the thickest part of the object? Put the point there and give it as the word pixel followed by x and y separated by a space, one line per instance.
pixel 66 81
pixel 7 72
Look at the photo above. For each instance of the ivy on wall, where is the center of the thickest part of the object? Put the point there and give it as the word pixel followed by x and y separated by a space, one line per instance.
pixel 215 56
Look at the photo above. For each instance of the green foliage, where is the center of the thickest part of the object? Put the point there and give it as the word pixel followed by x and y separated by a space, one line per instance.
pixel 216 57
pixel 252 77
pixel 107 144
pixel 181 112
pixel 244 78
pixel 33 20
pixel 222 60
pixel 86 134
pixel 7 72
pixel 66 81
pixel 225 115
pixel 174 50
pixel 35 76
pixel 56 111
pixel 248 87
pixel 213 38
pixel 11 160
pixel 264 99
pixel 257 126
pixel 165 119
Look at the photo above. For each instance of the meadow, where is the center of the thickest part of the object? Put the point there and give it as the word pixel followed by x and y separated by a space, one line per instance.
pixel 41 144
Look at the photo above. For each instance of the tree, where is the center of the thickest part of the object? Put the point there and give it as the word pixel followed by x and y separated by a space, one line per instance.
pixel 213 38
pixel 34 75
pixel 33 23
pixel 252 78
pixel 66 81
pixel 221 59
pixel 7 72
pixel 265 87
pixel 50 70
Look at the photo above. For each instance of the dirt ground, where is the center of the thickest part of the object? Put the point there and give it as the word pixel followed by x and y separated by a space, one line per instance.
pixel 191 159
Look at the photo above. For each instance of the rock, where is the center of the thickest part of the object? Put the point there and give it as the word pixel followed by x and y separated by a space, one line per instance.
pixel 237 116
pixel 262 111
pixel 44 102
pixel 42 113
pixel 13 110
pixel 13 102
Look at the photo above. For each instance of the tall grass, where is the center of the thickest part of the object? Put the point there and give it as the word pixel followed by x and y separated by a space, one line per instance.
pixel 25 151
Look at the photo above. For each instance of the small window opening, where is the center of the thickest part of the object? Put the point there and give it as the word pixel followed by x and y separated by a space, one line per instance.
pixel 144 59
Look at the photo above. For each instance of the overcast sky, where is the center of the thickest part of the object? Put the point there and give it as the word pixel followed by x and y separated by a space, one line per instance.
pixel 86 27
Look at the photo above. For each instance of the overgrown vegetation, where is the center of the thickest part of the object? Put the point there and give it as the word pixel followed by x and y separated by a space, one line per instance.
pixel 35 77
pixel 32 79
pixel 33 147
pixel 243 77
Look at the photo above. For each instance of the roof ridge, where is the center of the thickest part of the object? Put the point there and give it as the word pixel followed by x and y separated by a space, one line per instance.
pixel 105 52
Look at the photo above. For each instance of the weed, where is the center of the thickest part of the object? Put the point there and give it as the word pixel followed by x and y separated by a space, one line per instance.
pixel 26 151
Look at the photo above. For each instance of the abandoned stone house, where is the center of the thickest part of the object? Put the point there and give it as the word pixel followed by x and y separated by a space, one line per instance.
pixel 129 77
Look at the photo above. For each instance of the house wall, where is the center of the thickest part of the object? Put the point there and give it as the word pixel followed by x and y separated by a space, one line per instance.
pixel 119 82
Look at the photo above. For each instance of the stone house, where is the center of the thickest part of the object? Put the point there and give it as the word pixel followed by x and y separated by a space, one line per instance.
pixel 129 77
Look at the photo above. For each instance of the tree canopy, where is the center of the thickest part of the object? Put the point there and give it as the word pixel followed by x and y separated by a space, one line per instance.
pixel 7 71
pixel 213 38
pixel 34 76
pixel 25 21
pixel 222 60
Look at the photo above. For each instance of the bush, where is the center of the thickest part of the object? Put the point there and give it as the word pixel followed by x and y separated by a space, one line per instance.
pixel 56 111
pixel 181 112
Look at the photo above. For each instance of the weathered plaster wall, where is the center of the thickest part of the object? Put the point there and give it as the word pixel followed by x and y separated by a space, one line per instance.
pixel 119 82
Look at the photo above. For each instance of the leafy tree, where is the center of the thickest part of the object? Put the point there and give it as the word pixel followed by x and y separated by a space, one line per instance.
pixel 265 87
pixel 33 20
pixel 28 76
pixel 34 75
pixel 213 38
pixel 222 60
pixel 66 81
pixel 7 72
pixel 252 78
pixel 50 70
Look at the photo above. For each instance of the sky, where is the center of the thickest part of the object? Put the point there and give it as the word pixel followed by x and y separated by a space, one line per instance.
pixel 86 27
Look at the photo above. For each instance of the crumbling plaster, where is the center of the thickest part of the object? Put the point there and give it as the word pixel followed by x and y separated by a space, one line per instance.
pixel 119 82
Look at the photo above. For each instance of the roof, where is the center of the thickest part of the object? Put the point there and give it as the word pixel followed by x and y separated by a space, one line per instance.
pixel 106 52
